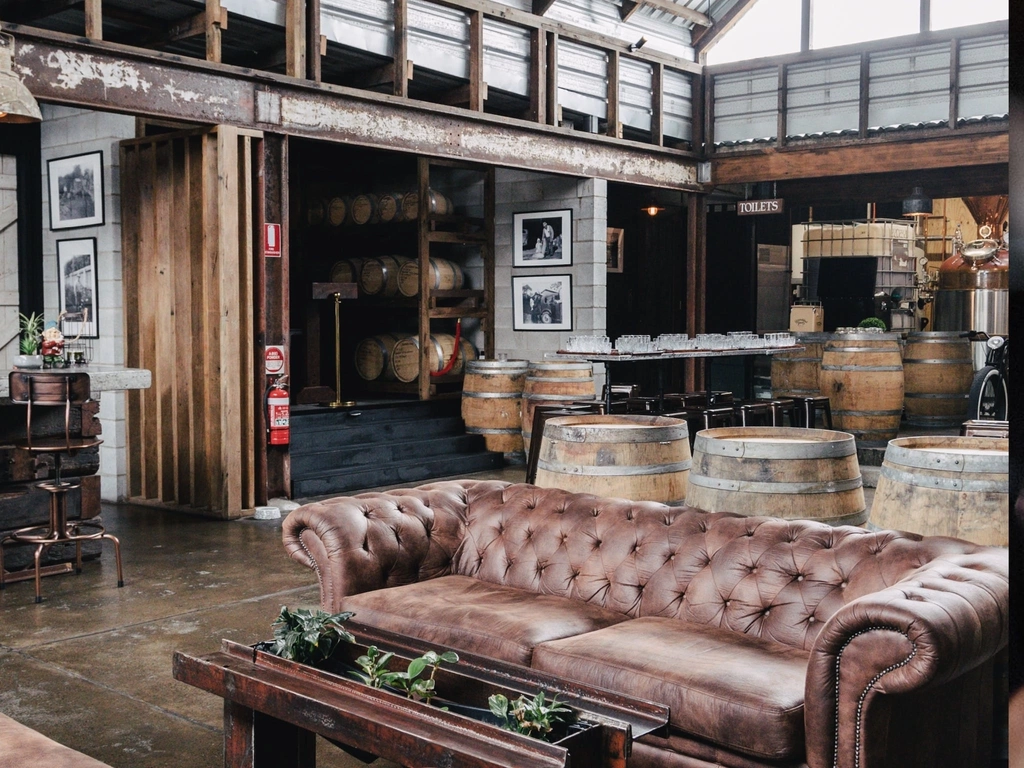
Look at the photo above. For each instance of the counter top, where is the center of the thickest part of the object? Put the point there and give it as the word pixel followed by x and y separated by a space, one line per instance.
pixel 103 378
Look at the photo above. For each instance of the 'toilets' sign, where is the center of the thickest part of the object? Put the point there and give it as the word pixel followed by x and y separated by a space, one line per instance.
pixel 760 207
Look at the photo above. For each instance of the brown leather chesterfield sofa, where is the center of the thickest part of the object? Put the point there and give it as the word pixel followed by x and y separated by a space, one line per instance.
pixel 775 643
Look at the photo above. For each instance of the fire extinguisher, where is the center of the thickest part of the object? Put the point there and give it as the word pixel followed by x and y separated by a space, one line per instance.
pixel 277 412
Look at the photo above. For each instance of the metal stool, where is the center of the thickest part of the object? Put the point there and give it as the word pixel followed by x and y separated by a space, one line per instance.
pixel 544 412
pixel 54 388
pixel 784 406
pixel 812 406
pixel 753 412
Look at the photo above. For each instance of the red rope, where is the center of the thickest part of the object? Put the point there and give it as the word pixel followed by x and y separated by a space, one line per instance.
pixel 455 352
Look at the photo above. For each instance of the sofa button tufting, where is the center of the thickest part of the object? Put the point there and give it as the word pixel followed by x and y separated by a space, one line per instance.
pixel 799 577
pixel 595 513
pixel 810 619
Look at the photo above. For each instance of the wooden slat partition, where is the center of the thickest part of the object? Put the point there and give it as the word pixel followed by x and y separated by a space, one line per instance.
pixel 187 242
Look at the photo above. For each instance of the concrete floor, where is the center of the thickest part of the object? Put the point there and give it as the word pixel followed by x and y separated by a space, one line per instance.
pixel 90 667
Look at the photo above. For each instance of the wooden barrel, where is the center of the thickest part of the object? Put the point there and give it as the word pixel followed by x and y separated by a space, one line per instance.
pixel 445 275
pixel 379 275
pixel 806 474
pixel 316 211
pixel 405 358
pixel 374 355
pixel 862 375
pixel 337 210
pixel 643 458
pixel 347 270
pixel 554 383
pixel 945 486
pixel 492 402
pixel 467 354
pixel 389 206
pixel 937 372
pixel 363 209
pixel 436 203
pixel 795 374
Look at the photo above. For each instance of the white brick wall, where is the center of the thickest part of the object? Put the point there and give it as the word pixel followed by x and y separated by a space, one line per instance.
pixel 521 191
pixel 70 131
pixel 8 261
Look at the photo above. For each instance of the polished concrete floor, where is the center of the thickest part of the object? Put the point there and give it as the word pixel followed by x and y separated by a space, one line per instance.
pixel 91 666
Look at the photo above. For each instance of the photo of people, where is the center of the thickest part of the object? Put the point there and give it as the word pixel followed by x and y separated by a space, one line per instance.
pixel 543 303
pixel 76 191
pixel 542 239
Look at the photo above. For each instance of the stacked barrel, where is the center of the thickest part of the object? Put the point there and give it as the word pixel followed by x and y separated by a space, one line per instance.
pixel 554 382
pixel 371 208
pixel 395 356
pixel 492 404
pixel 391 276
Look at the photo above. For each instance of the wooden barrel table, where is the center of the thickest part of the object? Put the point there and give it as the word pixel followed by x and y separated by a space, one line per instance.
pixel 796 374
pixel 862 375
pixel 379 275
pixel 444 275
pixel 374 356
pixel 554 382
pixel 938 368
pixel 643 458
pixel 788 472
pixel 492 403
pixel 945 486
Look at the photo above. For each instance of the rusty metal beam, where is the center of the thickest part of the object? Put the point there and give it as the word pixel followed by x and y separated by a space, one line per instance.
pixel 69 70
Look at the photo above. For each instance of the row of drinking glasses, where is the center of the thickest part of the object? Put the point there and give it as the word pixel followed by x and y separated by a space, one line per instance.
pixel 591 345
pixel 635 345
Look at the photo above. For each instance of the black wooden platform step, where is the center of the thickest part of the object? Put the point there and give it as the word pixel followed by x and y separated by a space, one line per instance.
pixel 381 443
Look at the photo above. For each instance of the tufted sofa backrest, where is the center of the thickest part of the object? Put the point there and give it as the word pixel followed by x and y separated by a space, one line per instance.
pixel 779 580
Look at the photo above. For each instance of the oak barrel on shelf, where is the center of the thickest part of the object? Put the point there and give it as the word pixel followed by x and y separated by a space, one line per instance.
pixel 554 382
pixel 347 270
pixel 937 372
pixel 379 275
pixel 389 207
pixel 445 275
pixel 643 458
pixel 374 356
pixel 492 403
pixel 796 374
pixel 793 473
pixel 467 354
pixel 363 209
pixel 436 203
pixel 945 486
pixel 337 211
pixel 406 355
pixel 862 376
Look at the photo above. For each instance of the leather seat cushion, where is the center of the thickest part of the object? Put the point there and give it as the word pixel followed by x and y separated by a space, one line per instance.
pixel 727 688
pixel 466 614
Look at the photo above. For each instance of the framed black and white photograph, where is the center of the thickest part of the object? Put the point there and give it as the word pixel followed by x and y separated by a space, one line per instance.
pixel 542 303
pixel 616 248
pixel 542 239
pixel 78 287
pixel 76 191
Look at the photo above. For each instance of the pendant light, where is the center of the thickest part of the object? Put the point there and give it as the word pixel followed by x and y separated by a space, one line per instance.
pixel 917 204
pixel 17 104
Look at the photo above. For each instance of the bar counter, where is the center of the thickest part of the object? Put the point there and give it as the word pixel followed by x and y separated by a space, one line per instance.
pixel 102 378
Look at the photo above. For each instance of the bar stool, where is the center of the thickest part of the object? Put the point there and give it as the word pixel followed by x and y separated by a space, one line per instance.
pixel 781 407
pixel 754 412
pixel 55 388
pixel 544 412
pixel 812 406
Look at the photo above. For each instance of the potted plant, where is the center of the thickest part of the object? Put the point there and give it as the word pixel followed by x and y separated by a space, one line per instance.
pixel 534 717
pixel 31 329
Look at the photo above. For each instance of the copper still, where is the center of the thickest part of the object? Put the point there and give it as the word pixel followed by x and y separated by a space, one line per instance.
pixel 974 283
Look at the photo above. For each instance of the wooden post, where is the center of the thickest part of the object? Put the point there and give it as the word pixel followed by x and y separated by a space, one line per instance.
pixel 780 137
pixel 697 121
pixel 865 94
pixel 554 111
pixel 696 271
pixel 477 88
pixel 658 104
pixel 488 255
pixel 954 82
pixel 295 38
pixel 94 19
pixel 401 48
pixel 806 20
pixel 538 75
pixel 213 30
pixel 708 81
pixel 423 381
pixel 313 41
pixel 926 15
pixel 614 126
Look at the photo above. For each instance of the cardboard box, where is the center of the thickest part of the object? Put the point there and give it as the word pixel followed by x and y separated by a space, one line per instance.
pixel 806 318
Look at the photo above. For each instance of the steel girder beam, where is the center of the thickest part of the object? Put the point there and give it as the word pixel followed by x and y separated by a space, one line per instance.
pixel 71 70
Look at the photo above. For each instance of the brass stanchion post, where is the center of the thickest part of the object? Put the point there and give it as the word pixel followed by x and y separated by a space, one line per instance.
pixel 338 403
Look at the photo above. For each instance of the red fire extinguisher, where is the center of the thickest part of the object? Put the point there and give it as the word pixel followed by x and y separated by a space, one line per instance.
pixel 277 412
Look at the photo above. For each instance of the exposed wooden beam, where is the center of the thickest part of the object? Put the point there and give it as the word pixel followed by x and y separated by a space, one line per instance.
pixel 678 10
pixel 94 19
pixel 401 49
pixel 295 38
pixel 315 42
pixel 889 187
pixel 658 105
pixel 378 76
pixel 926 15
pixel 710 35
pixel 696 282
pixel 152 84
pixel 213 33
pixel 540 7
pixel 538 76
pixel 464 96
pixel 477 86
pixel 614 127
pixel 554 111
pixel 27 12
pixel 628 8
pixel 871 156
pixel 806 24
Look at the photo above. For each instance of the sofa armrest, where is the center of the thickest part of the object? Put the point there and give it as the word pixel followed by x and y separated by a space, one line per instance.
pixel 359 543
pixel 942 621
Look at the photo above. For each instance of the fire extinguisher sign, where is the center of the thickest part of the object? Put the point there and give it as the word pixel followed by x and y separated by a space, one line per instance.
pixel 272 240
pixel 273 360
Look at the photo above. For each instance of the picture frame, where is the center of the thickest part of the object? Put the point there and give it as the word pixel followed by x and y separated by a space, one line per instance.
pixel 78 287
pixel 542 303
pixel 542 238
pixel 616 238
pixel 75 183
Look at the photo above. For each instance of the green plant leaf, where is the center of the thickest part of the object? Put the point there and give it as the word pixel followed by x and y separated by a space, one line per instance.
pixel 416 666
pixel 450 656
